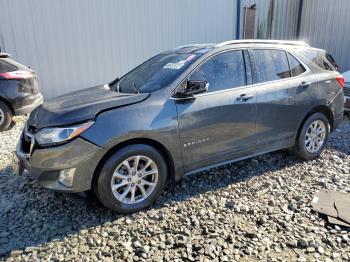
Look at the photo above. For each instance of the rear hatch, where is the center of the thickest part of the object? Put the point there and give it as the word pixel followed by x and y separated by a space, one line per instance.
pixel 12 70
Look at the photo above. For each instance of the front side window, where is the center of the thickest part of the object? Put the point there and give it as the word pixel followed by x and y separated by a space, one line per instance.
pixel 296 68
pixel 270 65
pixel 223 71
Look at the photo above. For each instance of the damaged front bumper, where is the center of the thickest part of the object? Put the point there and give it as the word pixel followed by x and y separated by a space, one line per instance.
pixel 68 167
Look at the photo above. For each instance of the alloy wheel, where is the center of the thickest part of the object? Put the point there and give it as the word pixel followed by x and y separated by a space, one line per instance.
pixel 134 179
pixel 315 136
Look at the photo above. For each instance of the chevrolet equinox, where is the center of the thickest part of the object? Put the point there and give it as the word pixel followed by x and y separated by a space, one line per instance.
pixel 182 111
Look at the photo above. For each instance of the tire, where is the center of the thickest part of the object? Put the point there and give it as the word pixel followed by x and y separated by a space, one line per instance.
pixel 305 149
pixel 129 179
pixel 5 116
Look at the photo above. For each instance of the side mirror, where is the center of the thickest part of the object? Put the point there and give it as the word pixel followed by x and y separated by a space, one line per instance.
pixel 193 87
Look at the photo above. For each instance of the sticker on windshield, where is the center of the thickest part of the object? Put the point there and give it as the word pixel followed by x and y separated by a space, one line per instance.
pixel 190 57
pixel 176 66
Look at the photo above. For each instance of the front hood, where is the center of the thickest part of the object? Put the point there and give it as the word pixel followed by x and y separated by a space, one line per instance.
pixel 80 106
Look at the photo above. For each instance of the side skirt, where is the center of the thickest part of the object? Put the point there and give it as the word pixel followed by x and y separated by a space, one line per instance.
pixel 233 160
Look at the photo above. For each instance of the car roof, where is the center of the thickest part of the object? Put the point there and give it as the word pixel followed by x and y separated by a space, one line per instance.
pixel 194 48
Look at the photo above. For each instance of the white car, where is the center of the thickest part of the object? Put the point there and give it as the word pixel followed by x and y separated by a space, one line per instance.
pixel 347 91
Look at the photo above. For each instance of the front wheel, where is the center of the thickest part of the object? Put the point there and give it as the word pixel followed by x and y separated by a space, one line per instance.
pixel 313 137
pixel 131 179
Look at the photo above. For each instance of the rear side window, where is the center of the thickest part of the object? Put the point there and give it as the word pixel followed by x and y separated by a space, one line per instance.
pixel 319 58
pixel 271 65
pixel 6 67
pixel 223 71
pixel 296 68
pixel 332 61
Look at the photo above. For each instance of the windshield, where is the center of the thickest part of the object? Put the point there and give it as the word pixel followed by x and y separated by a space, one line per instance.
pixel 156 73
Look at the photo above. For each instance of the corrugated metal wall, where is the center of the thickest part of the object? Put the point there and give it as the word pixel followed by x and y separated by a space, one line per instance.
pixel 81 43
pixel 325 24
pixel 284 18
pixel 260 16
pixel 77 44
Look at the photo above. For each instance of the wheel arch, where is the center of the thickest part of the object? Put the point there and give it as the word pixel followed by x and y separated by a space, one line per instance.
pixel 318 109
pixel 6 102
pixel 147 141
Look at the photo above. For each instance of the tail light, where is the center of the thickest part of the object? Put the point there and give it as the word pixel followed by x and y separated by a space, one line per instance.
pixel 20 74
pixel 341 81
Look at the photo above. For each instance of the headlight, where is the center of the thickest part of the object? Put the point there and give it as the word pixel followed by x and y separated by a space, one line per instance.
pixel 57 135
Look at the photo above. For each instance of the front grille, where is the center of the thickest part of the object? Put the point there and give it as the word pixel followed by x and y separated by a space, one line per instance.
pixel 347 89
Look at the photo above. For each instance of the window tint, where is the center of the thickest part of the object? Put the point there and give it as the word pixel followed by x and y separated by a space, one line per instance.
pixel 6 67
pixel 295 67
pixel 271 65
pixel 319 58
pixel 223 71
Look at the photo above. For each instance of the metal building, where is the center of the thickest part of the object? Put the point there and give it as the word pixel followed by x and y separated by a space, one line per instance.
pixel 321 23
pixel 82 43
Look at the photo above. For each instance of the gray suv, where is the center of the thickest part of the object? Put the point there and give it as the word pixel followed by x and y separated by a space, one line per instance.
pixel 180 112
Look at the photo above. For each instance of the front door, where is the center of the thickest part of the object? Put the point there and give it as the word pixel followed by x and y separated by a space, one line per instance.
pixel 220 124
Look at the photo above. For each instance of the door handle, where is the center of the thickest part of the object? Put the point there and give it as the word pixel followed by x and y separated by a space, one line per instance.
pixel 244 97
pixel 304 85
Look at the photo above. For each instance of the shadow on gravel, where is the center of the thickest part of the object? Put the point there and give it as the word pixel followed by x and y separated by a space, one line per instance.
pixel 339 139
pixel 32 216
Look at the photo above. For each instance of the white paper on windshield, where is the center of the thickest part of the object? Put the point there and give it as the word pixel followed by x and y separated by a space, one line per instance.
pixel 176 65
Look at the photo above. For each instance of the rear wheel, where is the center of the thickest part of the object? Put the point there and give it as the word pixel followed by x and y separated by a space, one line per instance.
pixel 131 179
pixel 313 137
pixel 5 116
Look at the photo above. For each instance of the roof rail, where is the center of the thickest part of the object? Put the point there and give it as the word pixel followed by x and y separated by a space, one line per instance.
pixel 263 41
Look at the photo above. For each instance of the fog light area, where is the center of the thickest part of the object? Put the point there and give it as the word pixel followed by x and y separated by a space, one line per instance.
pixel 66 177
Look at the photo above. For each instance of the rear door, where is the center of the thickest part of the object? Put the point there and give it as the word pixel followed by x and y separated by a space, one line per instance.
pixel 220 124
pixel 280 78
pixel 327 91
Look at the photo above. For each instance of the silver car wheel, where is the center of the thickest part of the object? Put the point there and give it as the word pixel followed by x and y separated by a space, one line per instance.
pixel 2 116
pixel 315 136
pixel 134 179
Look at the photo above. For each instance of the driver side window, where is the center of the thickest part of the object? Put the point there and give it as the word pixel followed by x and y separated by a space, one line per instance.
pixel 222 71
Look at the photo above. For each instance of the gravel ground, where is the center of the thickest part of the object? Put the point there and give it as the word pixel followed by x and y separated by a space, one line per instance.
pixel 258 209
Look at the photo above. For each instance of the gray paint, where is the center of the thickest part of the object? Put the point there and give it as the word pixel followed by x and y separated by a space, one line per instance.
pixel 78 44
pixel 226 133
